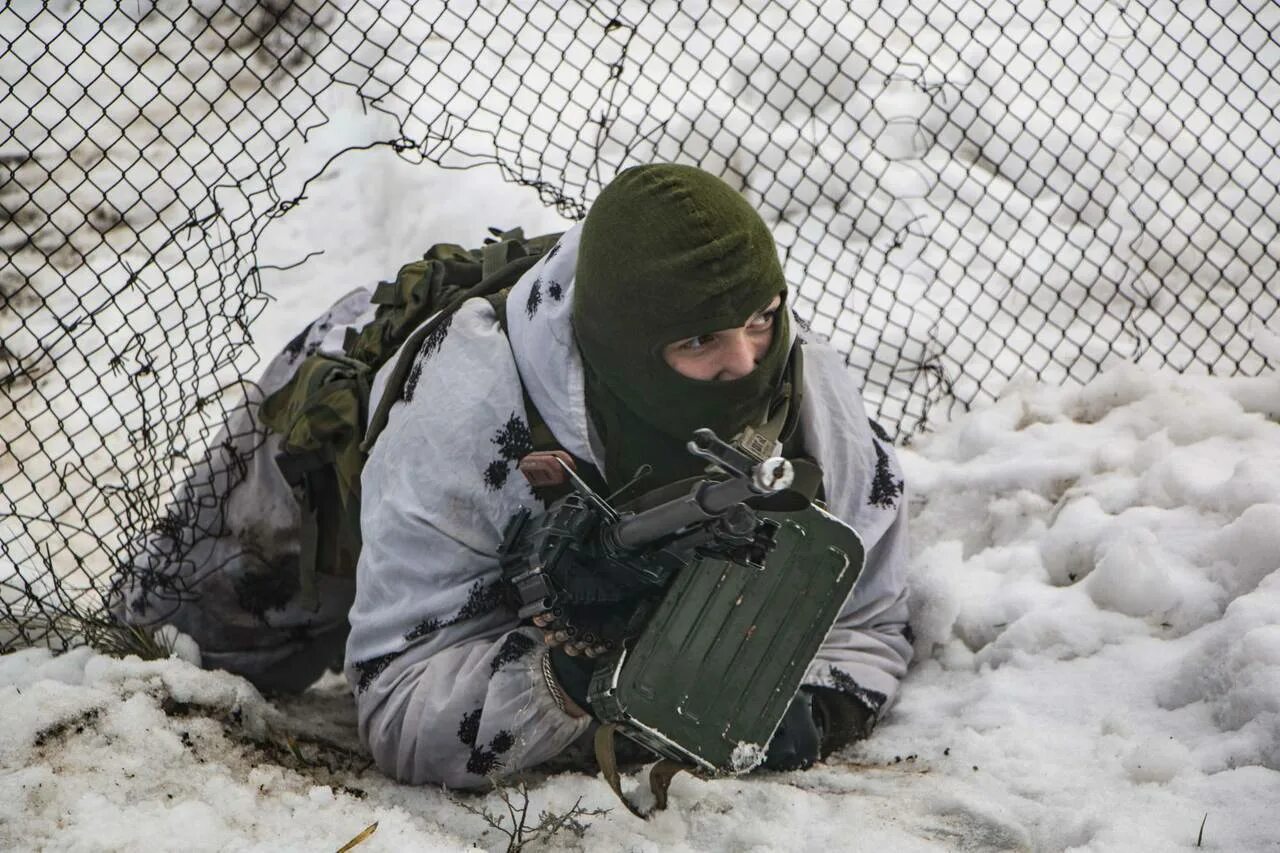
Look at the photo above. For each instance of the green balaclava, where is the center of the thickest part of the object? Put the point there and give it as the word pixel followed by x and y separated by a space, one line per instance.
pixel 669 252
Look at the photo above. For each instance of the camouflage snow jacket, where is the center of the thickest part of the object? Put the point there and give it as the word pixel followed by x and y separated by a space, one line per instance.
pixel 449 688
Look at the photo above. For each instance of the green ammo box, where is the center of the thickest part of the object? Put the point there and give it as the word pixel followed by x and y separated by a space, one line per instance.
pixel 710 677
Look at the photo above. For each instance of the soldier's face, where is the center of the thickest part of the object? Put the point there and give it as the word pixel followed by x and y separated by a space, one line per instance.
pixel 727 353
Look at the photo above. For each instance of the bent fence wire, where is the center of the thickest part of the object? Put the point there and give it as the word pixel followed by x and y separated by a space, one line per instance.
pixel 964 191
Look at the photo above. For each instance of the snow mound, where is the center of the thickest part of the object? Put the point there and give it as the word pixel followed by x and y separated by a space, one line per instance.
pixel 1096 597
pixel 1097 614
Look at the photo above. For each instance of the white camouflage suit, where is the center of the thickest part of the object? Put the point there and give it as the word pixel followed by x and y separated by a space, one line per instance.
pixel 448 685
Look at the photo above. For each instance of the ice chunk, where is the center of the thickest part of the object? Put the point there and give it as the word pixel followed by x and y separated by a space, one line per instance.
pixel 746 757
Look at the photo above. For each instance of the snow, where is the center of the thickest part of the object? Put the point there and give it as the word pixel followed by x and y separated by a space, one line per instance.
pixel 1096 584
pixel 1095 569
pixel 747 756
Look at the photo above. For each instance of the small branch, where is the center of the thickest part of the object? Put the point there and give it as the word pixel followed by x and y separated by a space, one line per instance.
pixel 359 839
pixel 519 831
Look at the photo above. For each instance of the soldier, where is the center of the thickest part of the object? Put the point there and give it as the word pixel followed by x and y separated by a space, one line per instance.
pixel 665 311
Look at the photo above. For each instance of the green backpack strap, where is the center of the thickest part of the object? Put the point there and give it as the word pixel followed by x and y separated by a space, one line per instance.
pixel 496 254
pixel 660 775
pixel 503 278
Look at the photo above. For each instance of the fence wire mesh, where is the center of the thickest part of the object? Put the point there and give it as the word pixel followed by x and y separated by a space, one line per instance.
pixel 963 192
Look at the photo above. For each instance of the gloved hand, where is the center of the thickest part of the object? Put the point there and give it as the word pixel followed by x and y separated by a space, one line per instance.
pixel 819 721
pixel 587 630
pixel 598 602
pixel 840 717
pixel 590 579
pixel 797 741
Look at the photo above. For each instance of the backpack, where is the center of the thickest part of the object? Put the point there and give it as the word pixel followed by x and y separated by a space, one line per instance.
pixel 321 413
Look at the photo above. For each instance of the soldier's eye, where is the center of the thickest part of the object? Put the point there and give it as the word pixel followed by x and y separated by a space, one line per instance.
pixel 698 343
pixel 763 319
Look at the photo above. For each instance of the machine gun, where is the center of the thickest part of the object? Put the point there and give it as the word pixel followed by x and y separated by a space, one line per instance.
pixel 580 560
pixel 717 607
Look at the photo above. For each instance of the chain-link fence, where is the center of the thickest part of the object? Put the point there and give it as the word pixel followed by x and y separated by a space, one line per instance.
pixel 963 191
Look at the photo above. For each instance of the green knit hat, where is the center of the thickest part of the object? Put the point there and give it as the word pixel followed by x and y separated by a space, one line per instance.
pixel 669 252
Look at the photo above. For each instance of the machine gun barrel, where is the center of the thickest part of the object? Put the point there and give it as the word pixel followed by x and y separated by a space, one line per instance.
pixel 705 501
